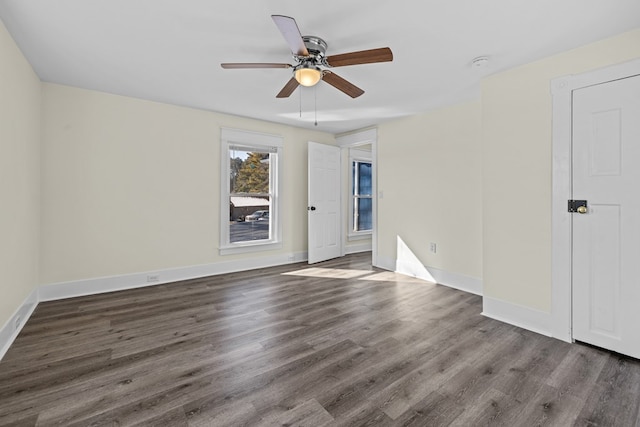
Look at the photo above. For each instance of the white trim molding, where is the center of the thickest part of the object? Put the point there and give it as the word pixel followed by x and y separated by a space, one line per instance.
pixel 368 136
pixel 386 263
pixel 361 247
pixel 441 277
pixel 56 291
pixel 99 285
pixel 10 330
pixel 518 315
pixel 431 274
pixel 562 92
pixel 457 281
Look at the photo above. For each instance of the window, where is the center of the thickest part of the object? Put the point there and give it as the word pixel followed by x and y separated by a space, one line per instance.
pixel 250 202
pixel 361 197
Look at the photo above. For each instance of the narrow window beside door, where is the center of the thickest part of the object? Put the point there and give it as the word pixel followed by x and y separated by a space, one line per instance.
pixel 361 197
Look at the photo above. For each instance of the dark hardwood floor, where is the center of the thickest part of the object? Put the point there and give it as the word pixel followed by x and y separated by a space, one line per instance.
pixel 336 344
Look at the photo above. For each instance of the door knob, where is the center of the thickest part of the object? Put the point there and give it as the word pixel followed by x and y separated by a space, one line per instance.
pixel 311 208
pixel 582 209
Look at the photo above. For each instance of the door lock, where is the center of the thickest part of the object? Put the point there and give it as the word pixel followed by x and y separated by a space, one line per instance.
pixel 579 206
pixel 311 208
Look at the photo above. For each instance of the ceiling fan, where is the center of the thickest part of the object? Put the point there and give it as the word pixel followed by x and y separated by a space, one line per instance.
pixel 312 65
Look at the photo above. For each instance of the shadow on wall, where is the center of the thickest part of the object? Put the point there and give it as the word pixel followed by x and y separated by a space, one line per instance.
pixel 408 263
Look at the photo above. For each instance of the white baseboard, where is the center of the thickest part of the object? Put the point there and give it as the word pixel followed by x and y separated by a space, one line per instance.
pixel 456 281
pixel 56 291
pixel 14 325
pixel 442 277
pixel 517 315
pixel 354 249
pixel 62 290
pixel 514 314
pixel 431 274
pixel 385 263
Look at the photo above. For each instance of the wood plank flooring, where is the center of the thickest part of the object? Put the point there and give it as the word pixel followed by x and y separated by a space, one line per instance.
pixel 334 344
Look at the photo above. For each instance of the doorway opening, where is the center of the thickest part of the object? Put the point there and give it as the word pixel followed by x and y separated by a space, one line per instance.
pixel 359 151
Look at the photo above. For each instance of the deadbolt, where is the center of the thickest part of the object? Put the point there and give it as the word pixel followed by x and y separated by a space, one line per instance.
pixel 579 206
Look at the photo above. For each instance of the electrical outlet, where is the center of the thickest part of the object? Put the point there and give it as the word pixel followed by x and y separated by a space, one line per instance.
pixel 432 247
pixel 17 322
pixel 153 278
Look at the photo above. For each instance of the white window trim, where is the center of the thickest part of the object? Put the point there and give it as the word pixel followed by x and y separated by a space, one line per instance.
pixel 356 155
pixel 231 137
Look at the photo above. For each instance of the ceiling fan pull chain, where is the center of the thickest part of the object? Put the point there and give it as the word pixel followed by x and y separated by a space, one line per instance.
pixel 300 98
pixel 315 104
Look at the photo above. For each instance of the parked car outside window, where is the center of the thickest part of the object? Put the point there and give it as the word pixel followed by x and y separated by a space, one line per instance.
pixel 258 216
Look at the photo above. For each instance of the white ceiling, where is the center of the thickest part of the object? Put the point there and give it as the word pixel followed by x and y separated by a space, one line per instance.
pixel 170 50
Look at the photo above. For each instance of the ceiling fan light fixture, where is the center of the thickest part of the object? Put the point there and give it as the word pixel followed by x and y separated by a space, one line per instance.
pixel 307 75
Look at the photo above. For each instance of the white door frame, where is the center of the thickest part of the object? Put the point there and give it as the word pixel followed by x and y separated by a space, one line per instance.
pixel 561 239
pixel 369 136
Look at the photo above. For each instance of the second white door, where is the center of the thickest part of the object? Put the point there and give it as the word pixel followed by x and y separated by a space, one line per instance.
pixel 606 238
pixel 323 208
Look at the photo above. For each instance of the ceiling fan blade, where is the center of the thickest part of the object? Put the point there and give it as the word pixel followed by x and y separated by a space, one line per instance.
pixel 341 84
pixel 234 65
pixel 291 34
pixel 382 54
pixel 288 89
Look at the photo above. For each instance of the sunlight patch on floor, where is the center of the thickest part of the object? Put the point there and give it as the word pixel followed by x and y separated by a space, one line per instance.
pixel 332 273
pixel 390 276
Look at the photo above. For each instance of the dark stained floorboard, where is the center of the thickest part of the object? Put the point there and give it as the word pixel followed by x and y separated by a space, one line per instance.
pixel 334 344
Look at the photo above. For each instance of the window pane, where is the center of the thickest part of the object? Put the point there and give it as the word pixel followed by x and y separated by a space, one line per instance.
pixel 250 198
pixel 362 186
pixel 250 219
pixel 364 179
pixel 364 216
pixel 249 171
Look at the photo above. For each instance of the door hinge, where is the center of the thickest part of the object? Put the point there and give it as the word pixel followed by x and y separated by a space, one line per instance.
pixel 574 205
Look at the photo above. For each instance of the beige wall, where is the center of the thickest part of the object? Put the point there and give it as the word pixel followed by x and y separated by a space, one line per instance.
pixel 516 156
pixel 19 177
pixel 429 174
pixel 95 185
pixel 133 186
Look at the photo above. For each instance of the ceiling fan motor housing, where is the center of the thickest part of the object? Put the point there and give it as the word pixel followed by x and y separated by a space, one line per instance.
pixel 316 47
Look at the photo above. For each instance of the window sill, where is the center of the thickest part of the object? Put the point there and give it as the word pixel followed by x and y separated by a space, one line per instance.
pixel 242 248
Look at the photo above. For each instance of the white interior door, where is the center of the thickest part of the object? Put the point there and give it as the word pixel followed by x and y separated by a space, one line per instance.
pixel 606 239
pixel 323 208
